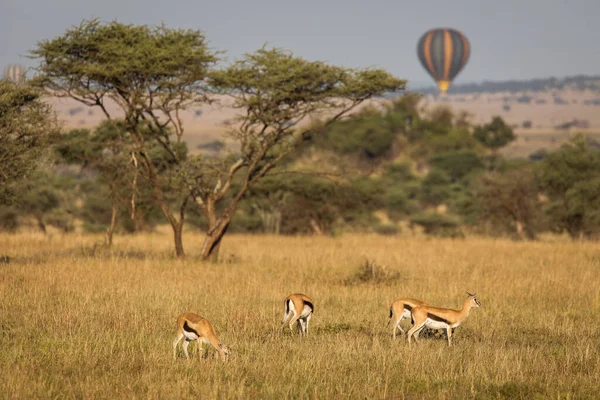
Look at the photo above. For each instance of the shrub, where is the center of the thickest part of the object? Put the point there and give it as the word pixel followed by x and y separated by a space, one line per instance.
pixel 438 224
pixel 386 229
pixel 435 188
pixel 9 220
pixel 457 164
pixel 370 272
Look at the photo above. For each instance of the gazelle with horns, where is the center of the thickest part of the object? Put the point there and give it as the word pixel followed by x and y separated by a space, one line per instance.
pixel 425 316
pixel 401 309
pixel 298 307
pixel 193 327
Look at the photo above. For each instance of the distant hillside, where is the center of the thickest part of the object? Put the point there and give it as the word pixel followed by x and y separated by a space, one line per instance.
pixel 574 83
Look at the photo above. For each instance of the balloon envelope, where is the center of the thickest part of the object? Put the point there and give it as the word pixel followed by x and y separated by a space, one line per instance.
pixel 14 72
pixel 443 52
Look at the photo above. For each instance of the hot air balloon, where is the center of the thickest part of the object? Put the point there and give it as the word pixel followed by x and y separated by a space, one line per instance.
pixel 14 72
pixel 443 53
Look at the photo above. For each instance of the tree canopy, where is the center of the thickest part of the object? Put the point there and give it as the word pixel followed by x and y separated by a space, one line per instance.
pixel 26 127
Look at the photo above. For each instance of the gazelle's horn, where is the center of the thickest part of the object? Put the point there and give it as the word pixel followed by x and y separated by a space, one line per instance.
pixel 471 294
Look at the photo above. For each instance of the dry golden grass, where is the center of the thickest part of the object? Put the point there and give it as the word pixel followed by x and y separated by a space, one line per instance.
pixel 77 324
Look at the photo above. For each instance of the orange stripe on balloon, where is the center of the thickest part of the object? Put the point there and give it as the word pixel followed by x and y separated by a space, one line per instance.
pixel 447 53
pixel 427 53
pixel 466 49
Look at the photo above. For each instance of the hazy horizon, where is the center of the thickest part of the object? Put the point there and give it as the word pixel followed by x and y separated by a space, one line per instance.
pixel 509 40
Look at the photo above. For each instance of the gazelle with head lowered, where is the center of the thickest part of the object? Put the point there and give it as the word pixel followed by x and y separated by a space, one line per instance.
pixel 401 309
pixel 298 307
pixel 193 327
pixel 425 316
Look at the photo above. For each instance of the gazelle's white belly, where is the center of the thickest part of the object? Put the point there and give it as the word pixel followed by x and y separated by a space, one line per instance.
pixel 190 335
pixel 306 311
pixel 431 324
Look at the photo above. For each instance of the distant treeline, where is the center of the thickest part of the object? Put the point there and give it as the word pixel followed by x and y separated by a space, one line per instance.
pixel 577 82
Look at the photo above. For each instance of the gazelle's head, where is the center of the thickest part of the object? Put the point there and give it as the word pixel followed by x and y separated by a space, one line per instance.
pixel 472 299
pixel 225 351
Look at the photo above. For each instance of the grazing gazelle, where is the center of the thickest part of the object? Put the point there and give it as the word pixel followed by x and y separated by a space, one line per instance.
pixel 399 310
pixel 193 327
pixel 425 316
pixel 298 307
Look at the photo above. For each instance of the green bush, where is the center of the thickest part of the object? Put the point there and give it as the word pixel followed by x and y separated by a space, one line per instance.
pixel 9 220
pixel 386 229
pixel 435 188
pixel 570 177
pixel 457 164
pixel 246 223
pixel 61 219
pixel 370 272
pixel 369 134
pixel 438 224
pixel 495 134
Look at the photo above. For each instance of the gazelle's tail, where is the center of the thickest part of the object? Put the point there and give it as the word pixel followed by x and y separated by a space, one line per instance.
pixel 391 315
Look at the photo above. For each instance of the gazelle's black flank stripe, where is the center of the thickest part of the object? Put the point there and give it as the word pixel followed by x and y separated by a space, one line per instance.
pixel 438 318
pixel 189 329
pixel 308 303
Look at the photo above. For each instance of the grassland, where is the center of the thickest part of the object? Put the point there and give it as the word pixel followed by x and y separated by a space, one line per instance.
pixel 75 323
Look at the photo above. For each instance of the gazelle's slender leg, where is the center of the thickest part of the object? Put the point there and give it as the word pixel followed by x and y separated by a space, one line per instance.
pixel 302 323
pixel 417 333
pixel 185 346
pixel 175 343
pixel 396 325
pixel 200 348
pixel 416 328
pixel 449 335
pixel 293 320
pixel 286 317
pixel 307 322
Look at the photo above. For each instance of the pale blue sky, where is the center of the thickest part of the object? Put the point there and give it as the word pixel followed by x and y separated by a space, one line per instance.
pixel 510 39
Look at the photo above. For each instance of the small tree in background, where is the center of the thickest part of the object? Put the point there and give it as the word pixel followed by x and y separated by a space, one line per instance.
pixel 495 134
pixel 509 201
pixel 101 150
pixel 571 179
pixel 26 127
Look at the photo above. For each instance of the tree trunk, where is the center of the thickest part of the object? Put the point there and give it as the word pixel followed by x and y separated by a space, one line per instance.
pixel 524 231
pixel 113 222
pixel 177 225
pixel 212 241
pixel 178 237
pixel 315 227
pixel 41 224
pixel 277 222
pixel 520 230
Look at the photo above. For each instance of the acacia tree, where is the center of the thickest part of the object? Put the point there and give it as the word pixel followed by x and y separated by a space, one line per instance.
pixel 570 177
pixel 150 73
pixel 510 200
pixel 275 92
pixel 495 134
pixel 26 126
pixel 102 150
